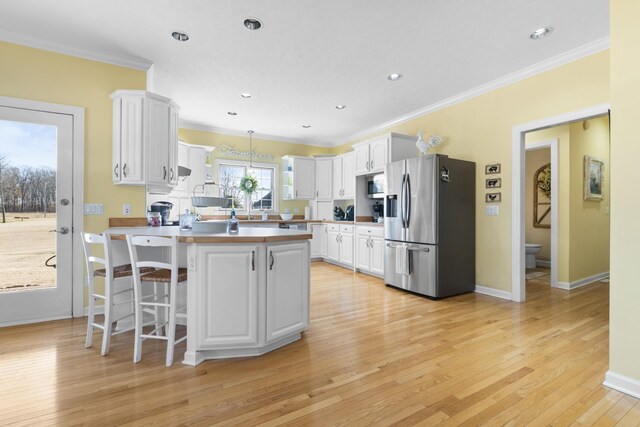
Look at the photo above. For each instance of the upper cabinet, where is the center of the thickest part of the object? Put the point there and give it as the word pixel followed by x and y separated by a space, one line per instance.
pixel 145 140
pixel 371 156
pixel 299 178
pixel 324 178
pixel 344 181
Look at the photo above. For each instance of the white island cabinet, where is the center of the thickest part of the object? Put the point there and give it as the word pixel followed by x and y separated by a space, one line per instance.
pixel 247 293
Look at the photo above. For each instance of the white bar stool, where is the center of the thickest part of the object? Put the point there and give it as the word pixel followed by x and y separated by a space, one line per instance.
pixel 110 274
pixel 170 275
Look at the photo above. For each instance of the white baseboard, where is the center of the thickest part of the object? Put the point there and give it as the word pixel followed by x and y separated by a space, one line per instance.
pixel 492 292
pixel 623 384
pixel 542 263
pixel 567 286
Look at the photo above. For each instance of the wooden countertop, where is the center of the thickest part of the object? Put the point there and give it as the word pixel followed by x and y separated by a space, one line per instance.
pixel 245 235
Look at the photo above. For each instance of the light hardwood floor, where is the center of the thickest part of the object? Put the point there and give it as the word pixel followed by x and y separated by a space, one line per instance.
pixel 372 356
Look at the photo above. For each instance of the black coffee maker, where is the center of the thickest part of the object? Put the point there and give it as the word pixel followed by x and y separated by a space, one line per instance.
pixel 338 214
pixel 164 208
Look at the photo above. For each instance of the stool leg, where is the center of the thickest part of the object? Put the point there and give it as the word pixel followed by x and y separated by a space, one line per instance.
pixel 91 318
pixel 171 333
pixel 156 309
pixel 165 300
pixel 108 316
pixel 137 318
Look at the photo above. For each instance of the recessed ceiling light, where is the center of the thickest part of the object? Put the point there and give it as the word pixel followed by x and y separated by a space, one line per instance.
pixel 395 76
pixel 306 126
pixel 246 95
pixel 341 107
pixel 232 113
pixel 252 24
pixel 540 33
pixel 181 37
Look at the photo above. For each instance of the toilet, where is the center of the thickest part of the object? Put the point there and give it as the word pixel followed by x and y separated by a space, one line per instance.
pixel 531 249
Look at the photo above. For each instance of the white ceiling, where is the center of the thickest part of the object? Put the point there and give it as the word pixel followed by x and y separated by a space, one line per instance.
pixel 310 55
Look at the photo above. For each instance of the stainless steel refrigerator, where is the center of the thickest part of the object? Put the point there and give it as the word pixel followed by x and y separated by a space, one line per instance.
pixel 430 209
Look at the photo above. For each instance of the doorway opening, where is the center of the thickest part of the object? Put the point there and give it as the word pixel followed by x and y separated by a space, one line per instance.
pixel 518 282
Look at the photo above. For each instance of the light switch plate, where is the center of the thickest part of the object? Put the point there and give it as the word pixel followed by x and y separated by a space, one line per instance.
pixel 492 210
pixel 93 209
pixel 126 210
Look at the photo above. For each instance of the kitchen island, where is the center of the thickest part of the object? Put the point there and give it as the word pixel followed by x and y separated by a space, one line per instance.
pixel 247 293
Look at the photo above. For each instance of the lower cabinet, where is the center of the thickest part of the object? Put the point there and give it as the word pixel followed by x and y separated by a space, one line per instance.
pixel 250 296
pixel 287 301
pixel 320 239
pixel 370 249
pixel 340 243
pixel 229 298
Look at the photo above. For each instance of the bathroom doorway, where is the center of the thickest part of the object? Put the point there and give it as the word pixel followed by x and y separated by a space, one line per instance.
pixel 541 206
pixel 519 183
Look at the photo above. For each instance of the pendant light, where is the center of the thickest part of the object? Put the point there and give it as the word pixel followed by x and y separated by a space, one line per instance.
pixel 250 132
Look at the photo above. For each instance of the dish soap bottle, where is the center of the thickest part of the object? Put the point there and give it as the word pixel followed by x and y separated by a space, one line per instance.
pixel 265 217
pixel 233 225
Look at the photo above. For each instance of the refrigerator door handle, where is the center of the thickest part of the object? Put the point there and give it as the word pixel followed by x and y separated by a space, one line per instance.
pixel 402 201
pixel 408 201
pixel 411 248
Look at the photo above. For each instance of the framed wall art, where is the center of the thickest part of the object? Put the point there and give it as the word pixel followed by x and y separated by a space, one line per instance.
pixel 492 168
pixel 493 183
pixel 593 178
pixel 493 197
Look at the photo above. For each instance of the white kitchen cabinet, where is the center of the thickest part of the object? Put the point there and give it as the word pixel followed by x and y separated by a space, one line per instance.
pixel 299 178
pixel 340 243
pixel 344 181
pixel 287 301
pixel 128 148
pixel 324 178
pixel 145 138
pixel 371 156
pixel 319 241
pixel 323 210
pixel 370 249
pixel 228 299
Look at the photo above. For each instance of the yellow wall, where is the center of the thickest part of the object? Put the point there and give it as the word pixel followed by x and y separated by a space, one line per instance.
pixel 480 130
pixel 275 148
pixel 589 225
pixel 625 201
pixel 61 79
pixel 535 160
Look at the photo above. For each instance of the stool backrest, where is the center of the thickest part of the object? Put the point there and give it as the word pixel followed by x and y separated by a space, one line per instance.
pixel 171 243
pixel 90 240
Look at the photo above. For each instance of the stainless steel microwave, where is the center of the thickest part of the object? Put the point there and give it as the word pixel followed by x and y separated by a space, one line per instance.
pixel 375 186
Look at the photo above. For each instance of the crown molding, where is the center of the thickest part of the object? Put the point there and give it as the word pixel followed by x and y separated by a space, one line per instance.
pixel 187 124
pixel 541 67
pixel 93 55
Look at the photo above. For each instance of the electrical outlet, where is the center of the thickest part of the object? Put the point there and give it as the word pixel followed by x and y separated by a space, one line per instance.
pixel 296 210
pixel 492 210
pixel 192 264
pixel 126 210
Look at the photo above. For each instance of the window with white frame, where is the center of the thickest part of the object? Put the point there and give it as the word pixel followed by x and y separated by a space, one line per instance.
pixel 230 172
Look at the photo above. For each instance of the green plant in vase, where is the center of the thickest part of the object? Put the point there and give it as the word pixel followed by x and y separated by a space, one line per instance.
pixel 249 185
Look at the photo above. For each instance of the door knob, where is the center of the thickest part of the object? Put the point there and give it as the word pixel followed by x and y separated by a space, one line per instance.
pixel 63 230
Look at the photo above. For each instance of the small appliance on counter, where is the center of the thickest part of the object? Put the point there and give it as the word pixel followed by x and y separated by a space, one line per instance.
pixel 164 208
pixel 349 214
pixel 338 214
pixel 378 212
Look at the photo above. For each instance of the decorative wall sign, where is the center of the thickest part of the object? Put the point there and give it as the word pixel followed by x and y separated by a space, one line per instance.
pixel 542 197
pixel 493 183
pixel 492 168
pixel 233 152
pixel 593 178
pixel 493 197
